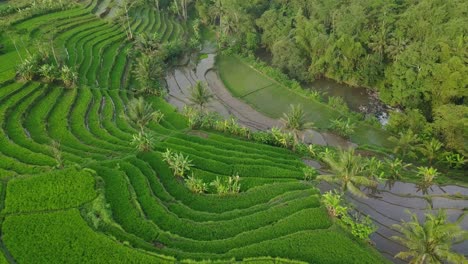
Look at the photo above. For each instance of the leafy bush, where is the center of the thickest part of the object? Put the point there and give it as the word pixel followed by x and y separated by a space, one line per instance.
pixel 361 227
pixel 196 185
pixel 231 186
pixel 179 163
pixel 333 203
pixel 142 141
pixel 455 160
pixel 343 127
pixel 309 173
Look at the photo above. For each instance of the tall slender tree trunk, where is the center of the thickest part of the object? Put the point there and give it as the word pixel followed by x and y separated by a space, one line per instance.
pixel 128 22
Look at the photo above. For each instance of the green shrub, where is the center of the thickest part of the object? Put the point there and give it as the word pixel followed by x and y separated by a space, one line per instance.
pixel 196 185
pixel 344 128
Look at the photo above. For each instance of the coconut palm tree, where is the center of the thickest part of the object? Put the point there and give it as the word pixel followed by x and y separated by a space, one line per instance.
pixel 294 121
pixel 428 174
pixel 405 143
pixel 431 241
pixel 346 170
pixel 200 95
pixel 430 149
pixel 395 167
pixel 141 113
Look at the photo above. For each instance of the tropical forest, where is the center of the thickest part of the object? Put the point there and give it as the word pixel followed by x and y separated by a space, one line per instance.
pixel 234 131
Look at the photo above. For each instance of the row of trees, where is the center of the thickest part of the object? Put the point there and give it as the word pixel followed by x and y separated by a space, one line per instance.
pixel 41 66
pixel 412 52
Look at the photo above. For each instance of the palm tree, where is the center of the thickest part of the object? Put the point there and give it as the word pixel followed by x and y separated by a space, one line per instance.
pixel 430 149
pixel 430 242
pixel 200 95
pixel 405 143
pixel 346 169
pixel 148 71
pixel 142 141
pixel 395 167
pixel 294 121
pixel 141 113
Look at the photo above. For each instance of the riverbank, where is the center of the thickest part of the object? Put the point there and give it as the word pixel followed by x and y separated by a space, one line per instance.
pixel 260 91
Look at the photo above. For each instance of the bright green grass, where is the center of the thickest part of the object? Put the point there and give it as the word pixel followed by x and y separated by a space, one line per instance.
pixel 63 237
pixel 50 191
pixel 272 99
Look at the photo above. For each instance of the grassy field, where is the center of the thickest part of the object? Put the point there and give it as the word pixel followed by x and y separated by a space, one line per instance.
pixel 273 99
pixel 113 205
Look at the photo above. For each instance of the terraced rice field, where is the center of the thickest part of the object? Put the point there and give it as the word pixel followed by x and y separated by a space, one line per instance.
pixel 110 205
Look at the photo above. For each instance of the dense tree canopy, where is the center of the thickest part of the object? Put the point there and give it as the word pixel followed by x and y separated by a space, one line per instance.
pixel 413 52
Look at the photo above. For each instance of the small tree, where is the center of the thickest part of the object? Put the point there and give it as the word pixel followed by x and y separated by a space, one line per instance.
pixel 430 242
pixel 200 95
pixel 68 76
pixel 343 127
pixel 231 186
pixel 196 185
pixel 142 141
pixel 294 121
pixel 333 202
pixel 27 69
pixel 430 149
pixel 148 71
pixel 48 72
pixel 141 113
pixel 309 173
pixel 395 167
pixel 179 163
pixel 405 143
pixel 346 170
pixel 455 160
pixel 428 175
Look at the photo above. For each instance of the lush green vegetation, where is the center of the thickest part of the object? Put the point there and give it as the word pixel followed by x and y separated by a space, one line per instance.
pixel 84 175
pixel 259 90
pixel 411 53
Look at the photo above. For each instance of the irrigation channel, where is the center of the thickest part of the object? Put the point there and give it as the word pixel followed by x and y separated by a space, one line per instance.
pixel 386 205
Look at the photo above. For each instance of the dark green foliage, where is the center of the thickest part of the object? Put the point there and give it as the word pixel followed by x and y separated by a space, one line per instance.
pixel 411 52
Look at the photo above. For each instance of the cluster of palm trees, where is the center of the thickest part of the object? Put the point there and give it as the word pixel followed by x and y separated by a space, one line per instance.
pixel 409 145
pixel 37 67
